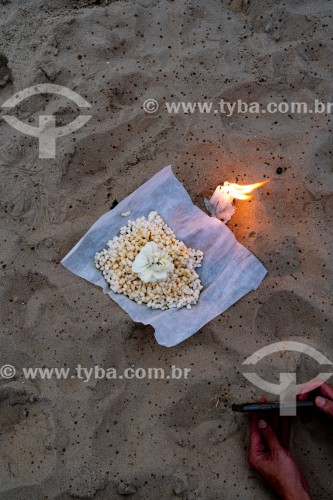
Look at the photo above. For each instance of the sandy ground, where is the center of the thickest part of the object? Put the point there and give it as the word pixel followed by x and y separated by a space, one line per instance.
pixel 155 439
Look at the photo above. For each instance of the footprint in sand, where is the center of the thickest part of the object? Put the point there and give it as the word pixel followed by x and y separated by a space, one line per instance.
pixel 26 438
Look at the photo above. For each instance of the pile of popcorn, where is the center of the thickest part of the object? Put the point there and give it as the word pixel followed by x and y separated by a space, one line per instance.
pixel 149 265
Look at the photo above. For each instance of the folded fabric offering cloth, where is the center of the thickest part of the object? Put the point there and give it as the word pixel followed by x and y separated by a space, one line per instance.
pixel 227 272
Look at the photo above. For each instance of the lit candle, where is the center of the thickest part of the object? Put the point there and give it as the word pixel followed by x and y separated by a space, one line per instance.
pixel 222 206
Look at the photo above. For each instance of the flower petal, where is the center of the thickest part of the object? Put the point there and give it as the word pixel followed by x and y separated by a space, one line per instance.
pixel 140 263
pixel 146 276
pixel 152 263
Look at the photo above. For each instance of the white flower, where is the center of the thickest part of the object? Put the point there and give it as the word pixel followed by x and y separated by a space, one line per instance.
pixel 180 288
pixel 152 263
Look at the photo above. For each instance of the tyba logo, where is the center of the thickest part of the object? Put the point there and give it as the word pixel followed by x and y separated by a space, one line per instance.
pixel 47 132
pixel 288 388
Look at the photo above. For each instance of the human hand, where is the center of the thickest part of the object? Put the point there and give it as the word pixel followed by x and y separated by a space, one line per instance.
pixel 323 399
pixel 270 457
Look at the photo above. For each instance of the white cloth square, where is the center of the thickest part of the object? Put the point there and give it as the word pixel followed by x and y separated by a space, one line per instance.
pixel 229 271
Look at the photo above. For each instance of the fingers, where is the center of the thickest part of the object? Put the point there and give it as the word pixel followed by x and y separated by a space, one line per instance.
pixel 304 397
pixel 308 388
pixel 324 401
pixel 256 443
pixel 269 435
pixel 327 390
pixel 325 405
pixel 285 432
pixel 280 425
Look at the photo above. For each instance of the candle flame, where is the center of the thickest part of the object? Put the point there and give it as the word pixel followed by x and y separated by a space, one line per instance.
pixel 242 192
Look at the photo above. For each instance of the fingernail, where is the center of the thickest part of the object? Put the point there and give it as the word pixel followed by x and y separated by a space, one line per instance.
pixel 262 424
pixel 320 401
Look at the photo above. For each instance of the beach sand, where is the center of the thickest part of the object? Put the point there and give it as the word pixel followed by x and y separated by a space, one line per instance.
pixel 158 439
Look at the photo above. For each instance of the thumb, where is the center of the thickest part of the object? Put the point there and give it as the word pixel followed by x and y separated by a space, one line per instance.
pixel 325 405
pixel 269 435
